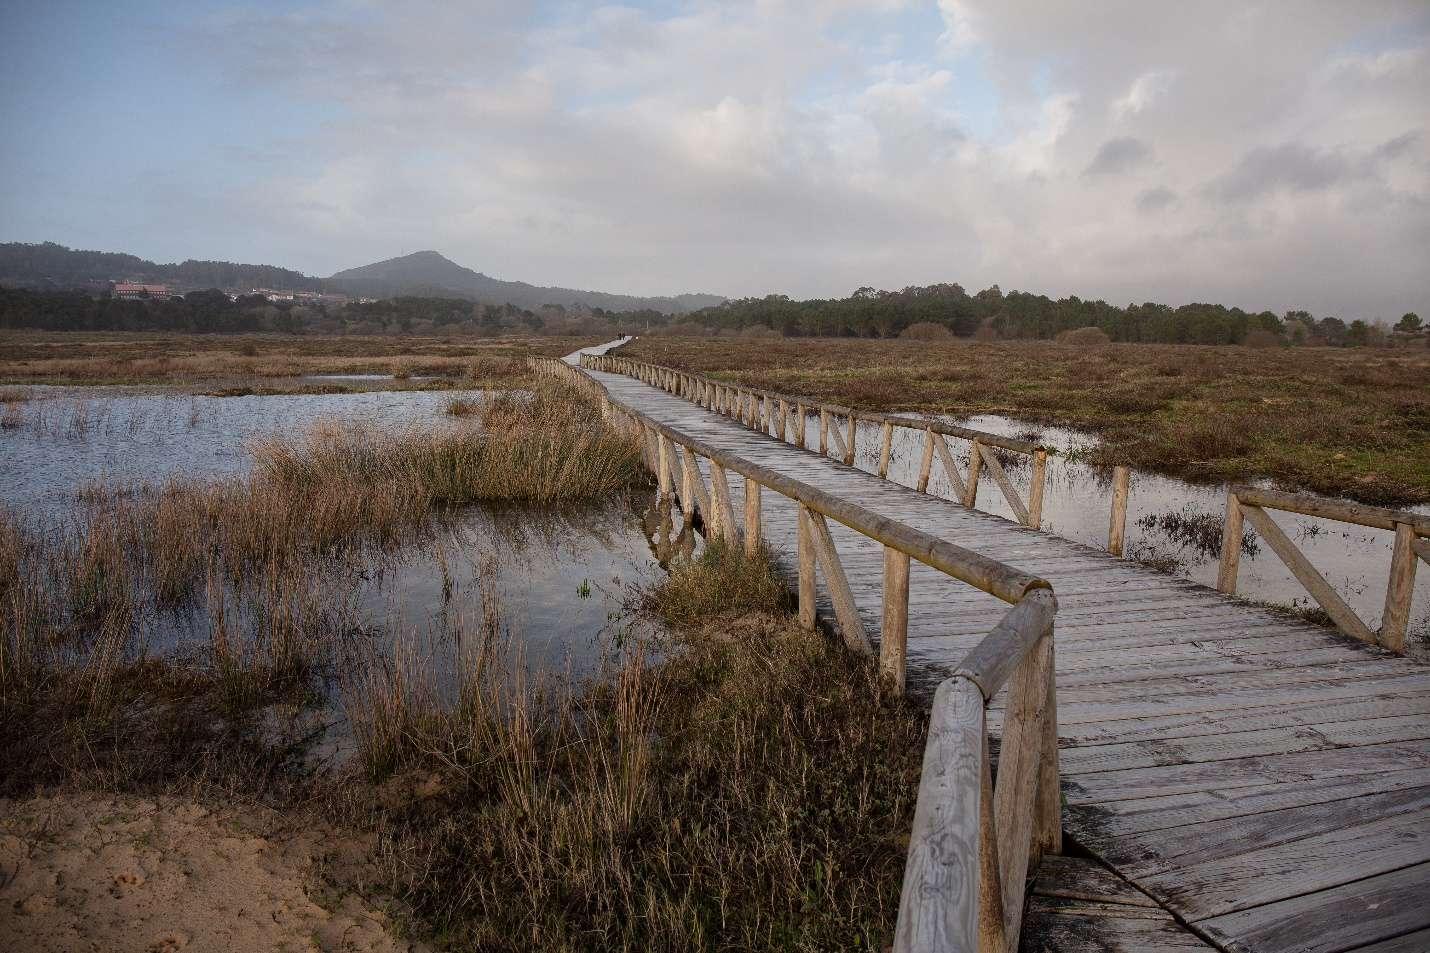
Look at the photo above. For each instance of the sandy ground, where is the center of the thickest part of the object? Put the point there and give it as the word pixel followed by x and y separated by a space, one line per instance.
pixel 100 874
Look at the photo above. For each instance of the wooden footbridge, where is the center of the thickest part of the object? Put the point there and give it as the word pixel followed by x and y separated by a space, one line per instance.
pixel 1176 770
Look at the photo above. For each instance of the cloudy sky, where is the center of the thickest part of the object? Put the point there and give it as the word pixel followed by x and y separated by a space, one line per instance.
pixel 1269 155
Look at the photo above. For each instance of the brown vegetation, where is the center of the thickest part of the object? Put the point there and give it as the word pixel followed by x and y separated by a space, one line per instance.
pixel 752 790
pixel 1343 422
pixel 927 331
pixel 265 361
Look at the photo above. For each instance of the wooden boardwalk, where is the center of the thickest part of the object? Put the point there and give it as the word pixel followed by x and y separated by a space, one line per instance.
pixel 1265 782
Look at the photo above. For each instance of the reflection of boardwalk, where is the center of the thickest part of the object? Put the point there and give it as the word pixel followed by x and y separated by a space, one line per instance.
pixel 1265 781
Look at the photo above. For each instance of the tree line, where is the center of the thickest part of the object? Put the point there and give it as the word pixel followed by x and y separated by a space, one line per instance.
pixel 866 313
pixel 871 313
pixel 199 312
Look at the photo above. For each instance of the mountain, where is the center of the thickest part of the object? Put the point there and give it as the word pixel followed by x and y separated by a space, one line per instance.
pixel 51 267
pixel 428 273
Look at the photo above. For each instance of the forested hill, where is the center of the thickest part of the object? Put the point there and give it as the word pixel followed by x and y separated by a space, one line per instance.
pixel 870 313
pixel 51 267
pixel 429 274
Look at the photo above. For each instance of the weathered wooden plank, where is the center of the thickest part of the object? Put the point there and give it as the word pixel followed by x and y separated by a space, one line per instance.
pixel 1111 786
pixel 1187 844
pixel 1330 921
pixel 1263 875
pixel 1061 926
pixel 1078 878
pixel 1194 724
pixel 1232 746
pixel 1147 815
pixel 1416 942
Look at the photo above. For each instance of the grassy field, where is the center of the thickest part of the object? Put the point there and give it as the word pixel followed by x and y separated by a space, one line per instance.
pixel 263 362
pixel 1342 422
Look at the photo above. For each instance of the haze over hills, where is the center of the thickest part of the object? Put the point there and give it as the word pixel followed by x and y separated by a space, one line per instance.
pixel 49 266
pixel 428 273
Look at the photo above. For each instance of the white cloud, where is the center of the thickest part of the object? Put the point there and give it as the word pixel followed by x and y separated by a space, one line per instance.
pixel 1144 91
pixel 1112 149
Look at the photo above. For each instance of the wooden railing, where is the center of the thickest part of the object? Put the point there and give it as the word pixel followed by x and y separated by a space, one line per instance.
pixel 973 844
pixel 785 417
pixel 1248 504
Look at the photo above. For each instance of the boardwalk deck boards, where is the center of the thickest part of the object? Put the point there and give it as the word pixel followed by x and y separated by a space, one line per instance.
pixel 1258 784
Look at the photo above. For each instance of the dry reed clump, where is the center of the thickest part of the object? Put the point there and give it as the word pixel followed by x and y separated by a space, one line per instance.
pixel 541 447
pixel 462 407
pixel 719 582
pixel 750 789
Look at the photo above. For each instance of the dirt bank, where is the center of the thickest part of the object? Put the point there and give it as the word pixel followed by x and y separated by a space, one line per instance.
pixel 96 873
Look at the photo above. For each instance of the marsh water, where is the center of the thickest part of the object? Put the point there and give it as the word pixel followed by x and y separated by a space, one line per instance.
pixel 561 574
pixel 552 584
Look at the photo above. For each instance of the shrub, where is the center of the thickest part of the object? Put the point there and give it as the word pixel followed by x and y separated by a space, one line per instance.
pixel 1084 337
pixel 927 331
pixel 1261 338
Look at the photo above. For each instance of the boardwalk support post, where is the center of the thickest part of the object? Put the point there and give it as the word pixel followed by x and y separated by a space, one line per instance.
pixel 753 531
pixel 894 629
pixel 806 570
pixel 1117 521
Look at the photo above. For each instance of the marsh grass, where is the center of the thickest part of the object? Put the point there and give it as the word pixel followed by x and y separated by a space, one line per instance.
pixel 240 590
pixel 540 448
pixel 461 407
pixel 260 363
pixel 748 787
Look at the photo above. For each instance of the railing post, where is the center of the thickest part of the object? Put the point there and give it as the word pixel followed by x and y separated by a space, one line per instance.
pixel 926 464
pixel 720 503
pixel 975 462
pixel 849 451
pixel 886 442
pixel 939 908
pixel 806 570
pixel 799 425
pixel 1020 769
pixel 1048 806
pixel 894 630
pixel 662 443
pixel 1230 545
pixel 782 426
pixel 1117 522
pixel 1396 618
pixel 823 432
pixel 693 481
pixel 1039 480
pixel 753 530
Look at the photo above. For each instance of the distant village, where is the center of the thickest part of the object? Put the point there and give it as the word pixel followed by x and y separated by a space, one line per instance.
pixel 134 290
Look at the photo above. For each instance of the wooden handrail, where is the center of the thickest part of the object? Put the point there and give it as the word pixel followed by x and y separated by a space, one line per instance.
pixel 1245 503
pixel 1344 511
pixel 593 362
pixel 743 404
pixel 972 845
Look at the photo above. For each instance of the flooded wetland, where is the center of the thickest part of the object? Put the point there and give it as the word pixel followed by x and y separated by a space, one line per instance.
pixel 464 621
